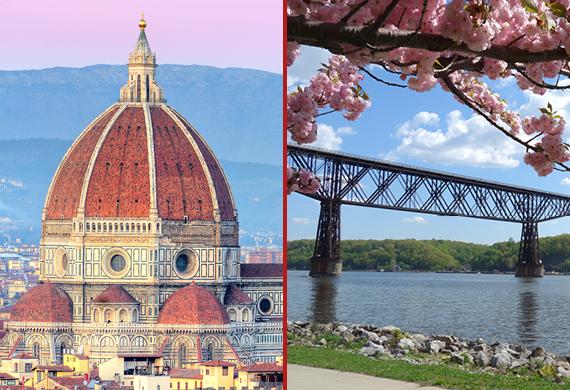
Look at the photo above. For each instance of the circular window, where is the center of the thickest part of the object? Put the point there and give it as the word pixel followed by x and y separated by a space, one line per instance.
pixel 186 263
pixel 60 262
pixel 182 263
pixel 118 263
pixel 265 305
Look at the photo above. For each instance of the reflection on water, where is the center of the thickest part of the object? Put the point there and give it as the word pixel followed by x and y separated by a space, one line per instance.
pixel 534 311
pixel 324 299
pixel 528 311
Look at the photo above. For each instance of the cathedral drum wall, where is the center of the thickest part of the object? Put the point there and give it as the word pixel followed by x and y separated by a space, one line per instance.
pixel 139 251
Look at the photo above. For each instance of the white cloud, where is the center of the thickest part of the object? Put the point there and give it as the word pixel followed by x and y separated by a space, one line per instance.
pixel 565 181
pixel 329 138
pixel 256 200
pixel 306 65
pixel 419 220
pixel 468 142
pixel 346 130
pixel 301 221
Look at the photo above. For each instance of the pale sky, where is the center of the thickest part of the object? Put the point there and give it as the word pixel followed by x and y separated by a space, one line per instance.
pixel 223 33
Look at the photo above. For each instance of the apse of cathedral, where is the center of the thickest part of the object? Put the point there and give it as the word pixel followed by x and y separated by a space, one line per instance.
pixel 139 248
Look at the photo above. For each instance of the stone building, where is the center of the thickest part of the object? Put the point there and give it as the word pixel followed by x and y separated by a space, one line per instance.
pixel 139 250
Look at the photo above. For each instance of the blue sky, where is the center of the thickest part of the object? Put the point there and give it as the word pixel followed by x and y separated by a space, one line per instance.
pixel 430 130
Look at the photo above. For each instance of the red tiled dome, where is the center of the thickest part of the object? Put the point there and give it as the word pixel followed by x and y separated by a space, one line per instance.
pixel 235 296
pixel 43 303
pixel 193 305
pixel 115 294
pixel 119 162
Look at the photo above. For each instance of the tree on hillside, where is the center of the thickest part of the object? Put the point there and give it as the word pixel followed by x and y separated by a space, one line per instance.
pixel 457 44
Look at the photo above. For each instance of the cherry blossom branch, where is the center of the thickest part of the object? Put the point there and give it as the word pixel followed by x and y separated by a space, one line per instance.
pixel 469 103
pixel 336 35
pixel 374 77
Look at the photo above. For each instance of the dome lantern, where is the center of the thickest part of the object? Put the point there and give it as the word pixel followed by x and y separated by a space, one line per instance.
pixel 141 86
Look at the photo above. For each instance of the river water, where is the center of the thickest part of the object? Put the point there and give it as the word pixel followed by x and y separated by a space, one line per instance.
pixel 495 307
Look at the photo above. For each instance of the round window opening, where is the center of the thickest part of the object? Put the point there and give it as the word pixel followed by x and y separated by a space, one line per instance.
pixel 118 263
pixel 182 263
pixel 64 261
pixel 186 263
pixel 265 306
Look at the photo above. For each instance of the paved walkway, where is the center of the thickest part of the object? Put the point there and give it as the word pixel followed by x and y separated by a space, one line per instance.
pixel 309 378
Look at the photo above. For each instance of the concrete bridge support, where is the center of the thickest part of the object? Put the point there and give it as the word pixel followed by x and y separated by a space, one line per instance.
pixel 326 256
pixel 529 264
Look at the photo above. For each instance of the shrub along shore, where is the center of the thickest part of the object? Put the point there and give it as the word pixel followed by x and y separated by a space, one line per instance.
pixel 441 360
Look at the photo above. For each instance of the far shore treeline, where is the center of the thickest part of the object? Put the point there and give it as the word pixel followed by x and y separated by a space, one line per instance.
pixel 433 255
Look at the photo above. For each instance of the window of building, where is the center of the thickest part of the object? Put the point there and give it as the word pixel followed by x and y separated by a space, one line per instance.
pixel 118 263
pixel 225 371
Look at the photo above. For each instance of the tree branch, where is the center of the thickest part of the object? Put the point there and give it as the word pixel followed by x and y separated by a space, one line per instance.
pixel 315 33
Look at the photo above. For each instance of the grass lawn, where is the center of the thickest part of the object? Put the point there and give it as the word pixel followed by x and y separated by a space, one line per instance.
pixel 437 375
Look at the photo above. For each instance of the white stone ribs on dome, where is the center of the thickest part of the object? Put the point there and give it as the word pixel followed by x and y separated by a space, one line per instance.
pixel 151 161
pixel 81 206
pixel 211 186
pixel 188 124
pixel 68 152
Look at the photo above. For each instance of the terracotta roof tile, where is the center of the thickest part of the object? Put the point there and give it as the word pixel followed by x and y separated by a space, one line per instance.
pixel 185 373
pixel 235 296
pixel 263 367
pixel 73 382
pixel 217 363
pixel 115 294
pixel 119 185
pixel 43 303
pixel 193 305
pixel 253 270
pixel 55 367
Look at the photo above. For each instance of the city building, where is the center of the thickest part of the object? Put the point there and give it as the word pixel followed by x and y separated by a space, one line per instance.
pixel 264 256
pixel 139 255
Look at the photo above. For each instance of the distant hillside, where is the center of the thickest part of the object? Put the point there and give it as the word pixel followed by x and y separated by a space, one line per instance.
pixel 238 111
pixel 434 255
pixel 27 167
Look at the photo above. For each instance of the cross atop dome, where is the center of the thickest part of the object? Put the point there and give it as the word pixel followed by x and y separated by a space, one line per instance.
pixel 141 86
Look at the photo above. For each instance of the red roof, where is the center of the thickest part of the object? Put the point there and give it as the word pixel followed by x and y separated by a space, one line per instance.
pixel 55 368
pixel 254 270
pixel 71 382
pixel 235 296
pixel 263 367
pixel 115 294
pixel 43 303
pixel 185 373
pixel 217 363
pixel 16 387
pixel 119 183
pixel 22 356
pixel 193 305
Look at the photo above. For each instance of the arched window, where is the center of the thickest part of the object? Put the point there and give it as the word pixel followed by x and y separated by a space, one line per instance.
pixel 233 315
pixel 147 92
pixel 123 315
pixel 135 315
pixel 245 317
pixel 36 350
pixel 138 88
pixel 108 315
pixel 182 353
pixel 96 315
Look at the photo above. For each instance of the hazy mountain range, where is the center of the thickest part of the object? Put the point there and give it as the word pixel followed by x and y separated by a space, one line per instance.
pixel 238 111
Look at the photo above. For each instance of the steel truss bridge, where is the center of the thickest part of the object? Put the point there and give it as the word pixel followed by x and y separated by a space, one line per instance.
pixel 359 181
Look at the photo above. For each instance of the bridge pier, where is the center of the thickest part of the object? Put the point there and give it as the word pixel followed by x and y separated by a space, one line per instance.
pixel 326 256
pixel 529 264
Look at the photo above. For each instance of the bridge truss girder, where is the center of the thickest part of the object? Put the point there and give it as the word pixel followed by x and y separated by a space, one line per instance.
pixel 352 180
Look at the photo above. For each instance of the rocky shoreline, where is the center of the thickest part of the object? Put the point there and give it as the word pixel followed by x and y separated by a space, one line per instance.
pixel 390 342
